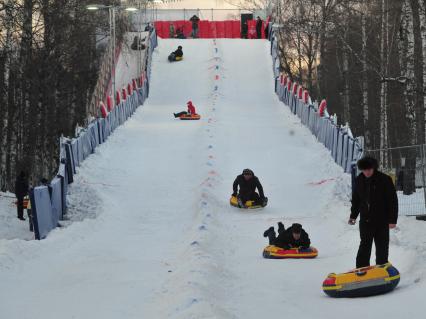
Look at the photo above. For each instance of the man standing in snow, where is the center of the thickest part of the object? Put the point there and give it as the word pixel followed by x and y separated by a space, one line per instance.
pixel 259 28
pixel 194 19
pixel 21 190
pixel 374 199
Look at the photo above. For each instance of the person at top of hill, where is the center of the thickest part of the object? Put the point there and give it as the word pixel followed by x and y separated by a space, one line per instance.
pixel 194 19
pixel 247 183
pixel 259 24
pixel 292 237
pixel 191 110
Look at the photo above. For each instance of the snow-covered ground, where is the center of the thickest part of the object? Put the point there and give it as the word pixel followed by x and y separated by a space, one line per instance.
pixel 161 240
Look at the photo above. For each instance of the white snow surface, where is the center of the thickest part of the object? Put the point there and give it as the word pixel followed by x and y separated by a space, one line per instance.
pixel 161 240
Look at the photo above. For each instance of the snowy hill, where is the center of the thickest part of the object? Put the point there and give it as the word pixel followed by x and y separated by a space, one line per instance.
pixel 163 241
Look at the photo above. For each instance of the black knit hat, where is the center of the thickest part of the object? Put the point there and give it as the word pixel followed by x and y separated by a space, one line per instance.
pixel 367 162
pixel 248 171
pixel 296 228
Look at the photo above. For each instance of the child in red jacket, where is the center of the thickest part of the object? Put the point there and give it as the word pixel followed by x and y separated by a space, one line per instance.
pixel 191 110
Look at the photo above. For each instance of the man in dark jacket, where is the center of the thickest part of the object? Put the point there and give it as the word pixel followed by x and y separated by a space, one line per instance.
pixel 21 190
pixel 194 19
pixel 248 183
pixel 259 25
pixel 374 199
pixel 294 237
pixel 176 54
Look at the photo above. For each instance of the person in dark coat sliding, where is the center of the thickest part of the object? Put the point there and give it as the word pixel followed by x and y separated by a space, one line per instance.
pixel 294 237
pixel 191 110
pixel 176 54
pixel 21 190
pixel 259 25
pixel 374 198
pixel 248 182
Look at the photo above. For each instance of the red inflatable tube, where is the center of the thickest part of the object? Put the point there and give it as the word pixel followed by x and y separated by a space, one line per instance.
pixel 306 96
pixel 104 111
pixel 300 93
pixel 289 85
pixel 117 97
pixel 295 86
pixel 109 103
pixel 322 107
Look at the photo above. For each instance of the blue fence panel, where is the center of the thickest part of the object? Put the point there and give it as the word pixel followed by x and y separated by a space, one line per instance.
pixel 335 143
pixel 76 158
pixel 42 211
pixel 351 145
pixel 69 162
pixel 345 150
pixel 57 211
pixel 339 154
pixel 86 144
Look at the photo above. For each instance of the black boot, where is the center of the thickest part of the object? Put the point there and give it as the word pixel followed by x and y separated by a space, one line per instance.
pixel 266 233
pixel 175 115
pixel 281 228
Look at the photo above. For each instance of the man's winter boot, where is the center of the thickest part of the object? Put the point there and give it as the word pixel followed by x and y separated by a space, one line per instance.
pixel 240 203
pixel 266 233
pixel 281 228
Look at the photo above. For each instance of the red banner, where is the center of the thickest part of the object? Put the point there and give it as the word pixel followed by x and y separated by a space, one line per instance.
pixel 208 29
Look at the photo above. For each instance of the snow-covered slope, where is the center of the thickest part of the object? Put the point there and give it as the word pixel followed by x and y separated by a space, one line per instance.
pixel 165 243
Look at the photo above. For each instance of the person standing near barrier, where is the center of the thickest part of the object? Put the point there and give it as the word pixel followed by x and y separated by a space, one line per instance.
pixel 259 24
pixel 374 198
pixel 194 19
pixel 21 190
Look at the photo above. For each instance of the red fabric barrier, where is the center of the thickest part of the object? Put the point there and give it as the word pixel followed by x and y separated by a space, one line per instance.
pixel 236 29
pixel 209 29
pixel 220 29
pixel 228 29
pixel 204 29
pixel 213 30
pixel 251 33
pixel 162 29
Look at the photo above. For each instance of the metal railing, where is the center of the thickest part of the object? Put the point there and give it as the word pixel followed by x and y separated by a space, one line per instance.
pixel 406 165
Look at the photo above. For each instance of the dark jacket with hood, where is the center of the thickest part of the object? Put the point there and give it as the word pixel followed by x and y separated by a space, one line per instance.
pixel 21 186
pixel 178 53
pixel 285 239
pixel 248 187
pixel 375 199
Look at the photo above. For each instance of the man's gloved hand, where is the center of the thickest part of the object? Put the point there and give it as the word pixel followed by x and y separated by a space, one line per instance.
pixel 352 221
pixel 234 194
